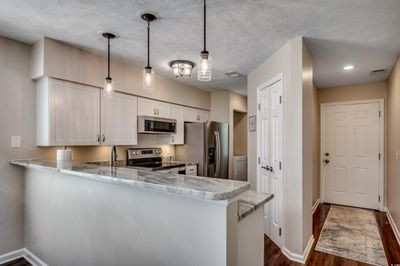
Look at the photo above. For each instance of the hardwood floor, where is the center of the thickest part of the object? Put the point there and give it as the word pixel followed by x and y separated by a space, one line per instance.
pixel 273 255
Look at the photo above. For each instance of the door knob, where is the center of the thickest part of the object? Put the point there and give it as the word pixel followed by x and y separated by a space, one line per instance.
pixel 327 154
pixel 326 161
pixel 265 167
pixel 271 169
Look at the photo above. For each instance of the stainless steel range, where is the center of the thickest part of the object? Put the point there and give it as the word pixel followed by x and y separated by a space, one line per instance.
pixel 151 159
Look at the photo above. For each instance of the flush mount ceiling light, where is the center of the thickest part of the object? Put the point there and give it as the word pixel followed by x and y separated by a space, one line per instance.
pixel 233 74
pixel 348 67
pixel 182 68
pixel 148 72
pixel 108 88
pixel 204 69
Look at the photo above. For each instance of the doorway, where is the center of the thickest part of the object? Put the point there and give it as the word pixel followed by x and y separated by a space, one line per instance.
pixel 352 152
pixel 270 154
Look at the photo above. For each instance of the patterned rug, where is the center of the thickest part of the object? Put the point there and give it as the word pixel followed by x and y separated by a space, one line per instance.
pixel 352 233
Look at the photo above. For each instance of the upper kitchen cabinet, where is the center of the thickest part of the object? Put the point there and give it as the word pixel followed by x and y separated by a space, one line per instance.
pixel 119 119
pixel 148 107
pixel 195 115
pixel 67 113
pixel 178 137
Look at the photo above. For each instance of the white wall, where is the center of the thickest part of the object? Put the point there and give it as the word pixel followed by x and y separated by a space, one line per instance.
pixel 297 204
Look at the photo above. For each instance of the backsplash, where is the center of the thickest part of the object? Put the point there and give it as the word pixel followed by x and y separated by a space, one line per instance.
pixel 102 153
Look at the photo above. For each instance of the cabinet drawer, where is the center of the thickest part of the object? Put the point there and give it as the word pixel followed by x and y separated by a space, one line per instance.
pixel 191 170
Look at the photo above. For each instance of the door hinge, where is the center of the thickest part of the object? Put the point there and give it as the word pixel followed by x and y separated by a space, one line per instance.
pixel 379 156
pixel 259 107
pixel 280 99
pixel 280 231
pixel 258 160
pixel 379 198
pixel 280 165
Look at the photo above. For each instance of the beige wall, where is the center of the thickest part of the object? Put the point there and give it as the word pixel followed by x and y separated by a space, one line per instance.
pixel 316 132
pixel 239 133
pixel 393 164
pixel 367 91
pixel 288 61
pixel 309 142
pixel 58 60
pixel 223 104
pixel 17 118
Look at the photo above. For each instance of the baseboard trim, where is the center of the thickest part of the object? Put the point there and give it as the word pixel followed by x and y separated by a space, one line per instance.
pixel 25 253
pixel 301 258
pixel 316 204
pixel 393 225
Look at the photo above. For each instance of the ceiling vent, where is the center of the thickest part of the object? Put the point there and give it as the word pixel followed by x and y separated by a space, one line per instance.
pixel 233 74
pixel 379 71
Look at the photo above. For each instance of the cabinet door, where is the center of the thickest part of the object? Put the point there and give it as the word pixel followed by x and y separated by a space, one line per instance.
pixel 74 114
pixel 177 113
pixel 146 107
pixel 119 119
pixel 190 115
pixel 163 109
pixel 204 116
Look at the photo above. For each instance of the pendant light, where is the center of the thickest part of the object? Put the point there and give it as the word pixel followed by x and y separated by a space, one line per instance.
pixel 108 88
pixel 204 69
pixel 148 72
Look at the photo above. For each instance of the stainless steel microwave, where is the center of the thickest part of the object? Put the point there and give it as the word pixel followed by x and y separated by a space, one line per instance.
pixel 156 125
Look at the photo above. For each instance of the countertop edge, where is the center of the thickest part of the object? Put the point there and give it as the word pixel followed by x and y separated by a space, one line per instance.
pixel 182 191
pixel 247 204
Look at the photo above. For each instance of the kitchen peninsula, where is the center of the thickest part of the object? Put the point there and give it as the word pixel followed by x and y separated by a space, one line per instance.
pixel 86 214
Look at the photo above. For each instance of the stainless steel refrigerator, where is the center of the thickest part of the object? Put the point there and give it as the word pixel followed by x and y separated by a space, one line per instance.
pixel 208 144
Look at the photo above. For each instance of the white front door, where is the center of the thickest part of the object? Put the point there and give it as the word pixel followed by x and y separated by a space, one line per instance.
pixel 351 154
pixel 270 152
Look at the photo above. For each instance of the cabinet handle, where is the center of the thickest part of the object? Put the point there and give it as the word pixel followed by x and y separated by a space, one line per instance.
pixel 172 138
pixel 158 111
pixel 104 138
pixel 98 138
pixel 154 111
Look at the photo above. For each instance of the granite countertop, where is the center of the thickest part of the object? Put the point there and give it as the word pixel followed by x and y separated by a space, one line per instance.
pixel 250 201
pixel 190 186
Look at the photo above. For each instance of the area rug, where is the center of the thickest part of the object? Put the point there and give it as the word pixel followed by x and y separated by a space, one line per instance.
pixel 352 233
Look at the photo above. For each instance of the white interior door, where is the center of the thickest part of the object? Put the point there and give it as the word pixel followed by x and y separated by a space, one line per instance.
pixel 270 151
pixel 351 154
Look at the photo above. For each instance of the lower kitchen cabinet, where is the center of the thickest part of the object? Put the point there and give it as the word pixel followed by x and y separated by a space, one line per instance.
pixel 119 119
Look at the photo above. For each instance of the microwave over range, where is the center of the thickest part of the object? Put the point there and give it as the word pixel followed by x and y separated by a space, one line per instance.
pixel 156 125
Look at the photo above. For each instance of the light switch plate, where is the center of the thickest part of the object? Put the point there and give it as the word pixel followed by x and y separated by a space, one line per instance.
pixel 15 142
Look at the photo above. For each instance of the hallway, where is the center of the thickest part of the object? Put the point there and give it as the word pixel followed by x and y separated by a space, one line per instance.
pixel 273 255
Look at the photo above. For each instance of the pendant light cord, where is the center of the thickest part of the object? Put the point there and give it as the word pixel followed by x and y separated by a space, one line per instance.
pixel 148 43
pixel 204 14
pixel 108 60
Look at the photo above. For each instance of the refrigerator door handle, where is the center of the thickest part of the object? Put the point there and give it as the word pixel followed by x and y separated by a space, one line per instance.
pixel 218 154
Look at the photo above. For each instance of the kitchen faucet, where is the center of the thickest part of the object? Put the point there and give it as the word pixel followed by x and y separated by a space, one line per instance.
pixel 113 156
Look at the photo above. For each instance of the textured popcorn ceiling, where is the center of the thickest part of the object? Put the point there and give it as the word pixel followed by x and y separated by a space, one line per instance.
pixel 241 33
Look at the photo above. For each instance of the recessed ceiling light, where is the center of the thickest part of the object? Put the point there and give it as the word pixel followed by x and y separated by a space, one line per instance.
pixel 348 67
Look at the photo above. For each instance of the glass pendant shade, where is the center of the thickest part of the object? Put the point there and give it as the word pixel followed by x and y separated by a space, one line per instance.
pixel 204 68
pixel 148 79
pixel 108 88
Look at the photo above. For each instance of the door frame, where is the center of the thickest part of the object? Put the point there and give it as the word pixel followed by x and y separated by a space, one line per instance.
pixel 262 86
pixel 381 145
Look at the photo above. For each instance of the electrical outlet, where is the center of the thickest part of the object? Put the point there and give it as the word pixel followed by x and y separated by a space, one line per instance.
pixel 15 142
